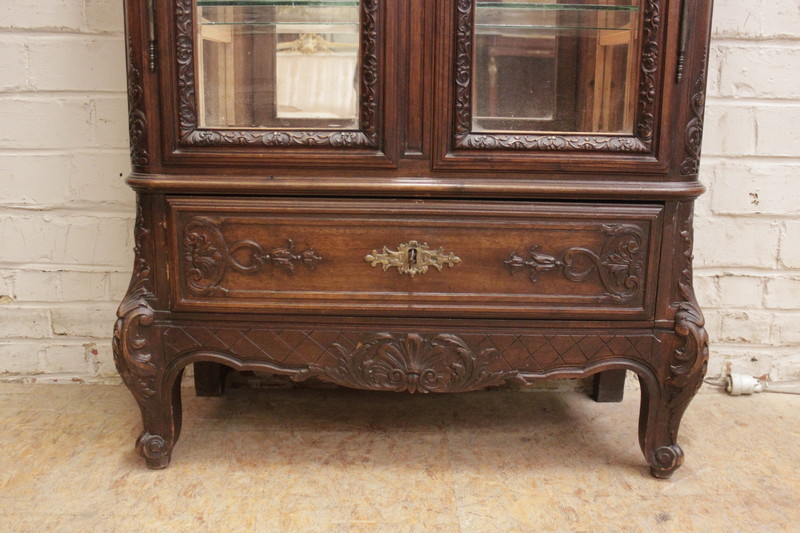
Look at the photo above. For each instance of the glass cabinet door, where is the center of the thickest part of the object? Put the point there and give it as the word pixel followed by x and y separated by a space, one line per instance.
pixel 277 73
pixel 556 74
pixel 278 64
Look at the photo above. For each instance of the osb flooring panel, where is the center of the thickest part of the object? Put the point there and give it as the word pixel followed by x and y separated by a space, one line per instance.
pixel 348 461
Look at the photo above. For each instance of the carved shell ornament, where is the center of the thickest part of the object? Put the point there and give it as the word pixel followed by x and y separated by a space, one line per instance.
pixel 416 363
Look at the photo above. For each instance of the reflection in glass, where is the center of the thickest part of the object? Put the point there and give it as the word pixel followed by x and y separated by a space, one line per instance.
pixel 278 64
pixel 552 66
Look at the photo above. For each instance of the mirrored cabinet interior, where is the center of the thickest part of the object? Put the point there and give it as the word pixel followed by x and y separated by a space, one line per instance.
pixel 415 196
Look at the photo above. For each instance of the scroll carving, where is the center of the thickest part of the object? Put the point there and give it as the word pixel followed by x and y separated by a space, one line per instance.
pixel 134 318
pixel 366 137
pixel 416 363
pixel 620 264
pixel 137 119
pixel 690 360
pixel 693 137
pixel 207 257
pixel 642 142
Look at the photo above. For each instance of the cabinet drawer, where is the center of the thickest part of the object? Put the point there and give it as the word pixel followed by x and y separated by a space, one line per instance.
pixel 414 258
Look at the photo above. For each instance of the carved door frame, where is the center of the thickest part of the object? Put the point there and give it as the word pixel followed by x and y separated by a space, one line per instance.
pixel 188 143
pixel 458 146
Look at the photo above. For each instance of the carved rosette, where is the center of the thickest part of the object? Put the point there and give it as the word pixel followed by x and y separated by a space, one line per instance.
pixel 619 264
pixel 207 257
pixel 137 119
pixel 134 318
pixel 693 137
pixel 648 91
pixel 416 363
pixel 191 135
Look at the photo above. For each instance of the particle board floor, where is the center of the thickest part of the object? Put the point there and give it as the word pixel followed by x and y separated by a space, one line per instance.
pixel 349 461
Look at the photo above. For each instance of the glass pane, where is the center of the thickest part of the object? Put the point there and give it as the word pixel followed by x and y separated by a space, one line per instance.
pixel 278 64
pixel 551 66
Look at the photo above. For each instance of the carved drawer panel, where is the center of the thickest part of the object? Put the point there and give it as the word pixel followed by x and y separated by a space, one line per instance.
pixel 413 257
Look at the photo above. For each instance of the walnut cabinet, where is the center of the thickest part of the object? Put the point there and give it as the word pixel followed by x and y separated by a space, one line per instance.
pixel 415 196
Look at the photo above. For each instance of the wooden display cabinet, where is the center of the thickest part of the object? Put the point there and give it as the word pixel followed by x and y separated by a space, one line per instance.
pixel 415 196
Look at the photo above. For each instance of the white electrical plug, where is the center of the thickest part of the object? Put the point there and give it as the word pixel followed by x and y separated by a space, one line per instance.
pixel 740 384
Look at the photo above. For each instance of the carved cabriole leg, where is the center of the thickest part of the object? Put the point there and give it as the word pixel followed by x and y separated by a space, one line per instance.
pixel 139 360
pixel 682 372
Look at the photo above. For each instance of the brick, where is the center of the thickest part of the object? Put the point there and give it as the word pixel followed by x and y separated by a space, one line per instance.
pixel 779 18
pixel 778 130
pixel 713 318
pixel 87 321
pixel 84 286
pixel 65 359
pixel 118 285
pixel 755 188
pixel 736 242
pixel 13 64
pixel 98 241
pixel 100 178
pixel 43 14
pixel 7 294
pixel 786 329
pixel 706 289
pixel 40 180
pixel 729 130
pixel 29 239
pixel 19 358
pixel 746 327
pixel 748 361
pixel 37 286
pixel 80 63
pixel 46 286
pixel 790 244
pixel 49 238
pixel 104 16
pixel 24 323
pixel 63 122
pixel 732 18
pixel 101 359
pixel 759 71
pixel 741 291
pixel 782 293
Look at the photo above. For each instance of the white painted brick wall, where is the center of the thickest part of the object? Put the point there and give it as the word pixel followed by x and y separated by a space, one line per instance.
pixel 748 232
pixel 66 215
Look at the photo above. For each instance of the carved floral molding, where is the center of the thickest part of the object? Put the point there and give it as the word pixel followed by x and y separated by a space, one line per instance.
pixel 132 356
pixel 192 135
pixel 619 265
pixel 207 257
pixel 641 142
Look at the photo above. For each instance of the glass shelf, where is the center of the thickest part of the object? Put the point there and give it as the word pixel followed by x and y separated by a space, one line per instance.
pixel 500 17
pixel 277 3
pixel 556 7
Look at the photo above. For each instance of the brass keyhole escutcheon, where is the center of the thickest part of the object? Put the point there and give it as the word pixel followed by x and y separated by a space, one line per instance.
pixel 412 258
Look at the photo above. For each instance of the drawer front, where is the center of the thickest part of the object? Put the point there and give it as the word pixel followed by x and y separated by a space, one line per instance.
pixel 414 258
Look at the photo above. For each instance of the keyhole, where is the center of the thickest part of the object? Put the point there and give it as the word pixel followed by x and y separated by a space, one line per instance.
pixel 412 257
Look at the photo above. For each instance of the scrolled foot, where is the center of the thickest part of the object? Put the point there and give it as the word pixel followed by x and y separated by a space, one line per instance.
pixel 154 449
pixel 667 460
